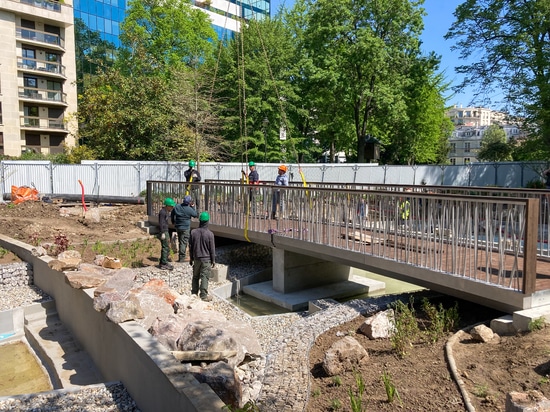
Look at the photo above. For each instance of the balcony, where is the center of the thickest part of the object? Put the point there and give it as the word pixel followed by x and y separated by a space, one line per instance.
pixel 44 4
pixel 36 36
pixel 42 123
pixel 49 96
pixel 32 65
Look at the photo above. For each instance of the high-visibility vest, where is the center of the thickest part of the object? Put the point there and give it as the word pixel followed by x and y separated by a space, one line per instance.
pixel 405 208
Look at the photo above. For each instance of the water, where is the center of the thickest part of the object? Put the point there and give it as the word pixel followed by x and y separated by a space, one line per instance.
pixel 257 307
pixel 20 371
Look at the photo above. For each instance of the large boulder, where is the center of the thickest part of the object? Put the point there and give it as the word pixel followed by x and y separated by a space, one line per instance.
pixel 220 336
pixel 344 355
pixel 379 326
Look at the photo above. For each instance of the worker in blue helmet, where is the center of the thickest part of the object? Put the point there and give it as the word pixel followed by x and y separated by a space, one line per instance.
pixel 193 175
pixel 181 218
pixel 202 256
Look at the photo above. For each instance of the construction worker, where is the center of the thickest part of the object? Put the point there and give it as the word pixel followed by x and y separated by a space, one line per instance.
pixel 252 178
pixel 281 180
pixel 202 251
pixel 404 210
pixel 193 175
pixel 164 235
pixel 181 218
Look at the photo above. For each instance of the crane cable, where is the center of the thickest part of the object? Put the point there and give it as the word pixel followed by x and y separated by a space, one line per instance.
pixel 281 107
pixel 242 121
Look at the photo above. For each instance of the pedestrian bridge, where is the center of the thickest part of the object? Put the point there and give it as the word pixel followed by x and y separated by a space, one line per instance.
pixel 486 245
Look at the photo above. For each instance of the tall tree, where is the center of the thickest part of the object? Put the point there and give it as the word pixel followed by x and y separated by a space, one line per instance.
pixel 510 40
pixel 161 35
pixel 256 69
pixel 361 52
pixel 422 135
pixel 154 104
pixel 494 146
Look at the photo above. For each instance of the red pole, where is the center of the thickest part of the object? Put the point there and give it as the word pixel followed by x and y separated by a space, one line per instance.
pixel 83 204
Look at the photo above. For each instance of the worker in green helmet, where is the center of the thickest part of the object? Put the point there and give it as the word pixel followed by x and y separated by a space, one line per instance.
pixel 164 236
pixel 251 178
pixel 193 175
pixel 202 256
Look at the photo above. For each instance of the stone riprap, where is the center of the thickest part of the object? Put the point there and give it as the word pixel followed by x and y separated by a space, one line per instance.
pixel 277 382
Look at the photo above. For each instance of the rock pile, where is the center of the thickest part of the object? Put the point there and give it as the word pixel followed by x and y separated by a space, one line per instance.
pixel 216 351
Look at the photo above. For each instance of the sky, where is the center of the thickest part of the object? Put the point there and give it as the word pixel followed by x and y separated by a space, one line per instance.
pixel 436 24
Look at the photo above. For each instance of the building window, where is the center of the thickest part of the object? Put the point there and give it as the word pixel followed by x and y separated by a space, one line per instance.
pixel 453 147
pixel 453 161
pixel 466 160
pixel 31 82
pixel 467 147
pixel 32 139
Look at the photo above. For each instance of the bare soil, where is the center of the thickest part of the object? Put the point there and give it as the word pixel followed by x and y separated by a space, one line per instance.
pixel 422 378
pixel 45 224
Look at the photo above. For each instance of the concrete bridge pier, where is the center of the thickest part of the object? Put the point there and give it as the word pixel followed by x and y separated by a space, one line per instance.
pixel 293 272
pixel 299 279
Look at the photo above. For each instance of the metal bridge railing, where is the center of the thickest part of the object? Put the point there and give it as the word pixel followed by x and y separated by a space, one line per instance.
pixel 484 238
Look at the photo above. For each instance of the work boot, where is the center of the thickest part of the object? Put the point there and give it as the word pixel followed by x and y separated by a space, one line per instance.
pixel 166 266
pixel 206 298
pixel 273 216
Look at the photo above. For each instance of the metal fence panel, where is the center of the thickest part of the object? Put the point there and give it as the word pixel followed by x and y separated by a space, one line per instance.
pixel 35 174
pixel 66 177
pixel 120 178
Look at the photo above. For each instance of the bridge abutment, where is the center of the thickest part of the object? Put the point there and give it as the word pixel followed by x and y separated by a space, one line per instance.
pixel 299 279
pixel 293 272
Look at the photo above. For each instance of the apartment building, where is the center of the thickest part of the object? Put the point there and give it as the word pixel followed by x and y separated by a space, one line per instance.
pixel 465 140
pixel 38 99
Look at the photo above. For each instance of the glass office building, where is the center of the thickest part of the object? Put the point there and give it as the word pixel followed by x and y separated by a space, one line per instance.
pixel 106 16
pixel 102 16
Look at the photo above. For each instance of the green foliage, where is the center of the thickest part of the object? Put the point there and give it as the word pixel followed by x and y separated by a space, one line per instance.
pixel 481 390
pixel 504 45
pixel 406 327
pixel 493 146
pixel 154 103
pixel 360 55
pixel 336 405
pixel 440 320
pixel 130 254
pixel 316 392
pixel 356 397
pixel 76 154
pixel 391 390
pixel 3 252
pixel 336 381
pixel 536 324
pixel 256 71
pixel 162 36
pixel 535 184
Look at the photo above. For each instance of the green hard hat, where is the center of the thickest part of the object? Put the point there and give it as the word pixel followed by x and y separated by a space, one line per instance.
pixel 204 217
pixel 169 202
pixel 250 164
pixel 192 163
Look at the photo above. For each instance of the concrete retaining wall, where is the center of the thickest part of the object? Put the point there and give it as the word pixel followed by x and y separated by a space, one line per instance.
pixel 122 352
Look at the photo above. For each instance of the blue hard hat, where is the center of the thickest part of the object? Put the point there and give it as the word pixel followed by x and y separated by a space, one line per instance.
pixel 187 199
